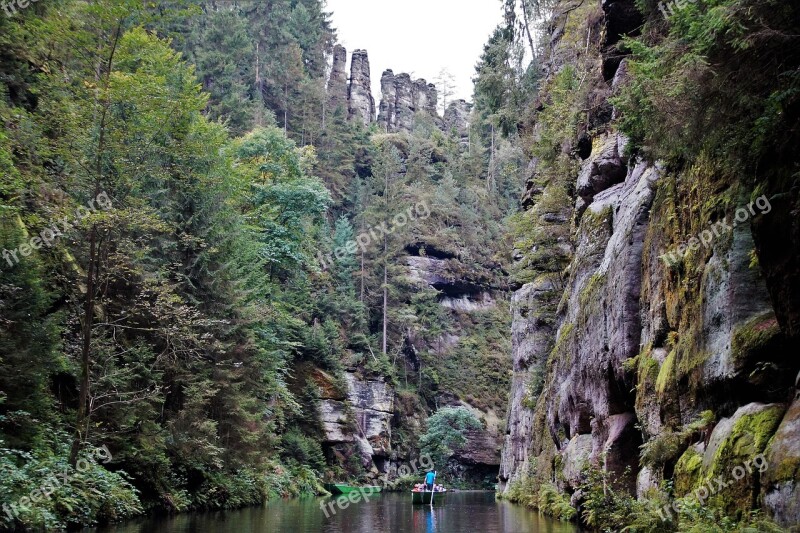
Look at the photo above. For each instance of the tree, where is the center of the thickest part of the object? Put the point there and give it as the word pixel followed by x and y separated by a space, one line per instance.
pixel 445 84
pixel 446 433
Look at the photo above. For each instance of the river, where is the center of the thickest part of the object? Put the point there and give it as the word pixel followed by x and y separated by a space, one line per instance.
pixel 386 513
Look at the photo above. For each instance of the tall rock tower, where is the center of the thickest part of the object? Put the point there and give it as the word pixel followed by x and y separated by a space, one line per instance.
pixel 361 101
pixel 401 97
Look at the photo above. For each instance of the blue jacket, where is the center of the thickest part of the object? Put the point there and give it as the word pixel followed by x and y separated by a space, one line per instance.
pixel 429 477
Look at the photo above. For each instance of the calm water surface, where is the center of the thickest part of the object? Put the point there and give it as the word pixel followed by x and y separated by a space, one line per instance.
pixel 386 513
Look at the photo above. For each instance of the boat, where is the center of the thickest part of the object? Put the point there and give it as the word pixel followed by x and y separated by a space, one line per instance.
pixel 424 496
pixel 343 488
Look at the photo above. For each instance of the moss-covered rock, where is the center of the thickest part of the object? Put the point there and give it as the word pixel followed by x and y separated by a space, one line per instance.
pixel 688 471
pixel 754 337
pixel 734 454
pixel 781 480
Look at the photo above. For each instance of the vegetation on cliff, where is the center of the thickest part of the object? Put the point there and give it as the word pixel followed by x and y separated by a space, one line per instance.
pixel 204 276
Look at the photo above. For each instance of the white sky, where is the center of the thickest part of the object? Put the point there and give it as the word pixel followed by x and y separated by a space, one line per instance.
pixel 419 37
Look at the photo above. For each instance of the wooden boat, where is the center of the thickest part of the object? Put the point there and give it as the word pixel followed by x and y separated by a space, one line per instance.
pixel 424 497
pixel 343 488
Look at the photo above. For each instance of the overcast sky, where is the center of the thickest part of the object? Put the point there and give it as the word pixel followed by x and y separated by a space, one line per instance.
pixel 419 37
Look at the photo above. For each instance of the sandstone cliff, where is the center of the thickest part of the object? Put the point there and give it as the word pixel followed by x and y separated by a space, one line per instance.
pixel 401 97
pixel 624 362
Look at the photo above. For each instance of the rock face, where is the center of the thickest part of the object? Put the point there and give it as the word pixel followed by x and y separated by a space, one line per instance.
pixel 356 96
pixel 361 101
pixel 401 99
pixel 531 331
pixel 625 348
pixel 362 417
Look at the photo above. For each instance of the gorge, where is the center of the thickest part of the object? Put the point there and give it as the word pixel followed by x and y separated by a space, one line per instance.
pixel 580 289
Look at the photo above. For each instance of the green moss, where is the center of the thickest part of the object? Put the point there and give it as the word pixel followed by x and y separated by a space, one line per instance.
pixel 748 438
pixel 666 373
pixel 751 433
pixel 590 292
pixel 595 224
pixel 786 470
pixel 562 351
pixel 647 367
pixel 753 337
pixel 688 471
pixel 669 445
pixel 663 448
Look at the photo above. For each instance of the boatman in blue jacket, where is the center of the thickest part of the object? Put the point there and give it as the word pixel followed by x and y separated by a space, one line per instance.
pixel 430 477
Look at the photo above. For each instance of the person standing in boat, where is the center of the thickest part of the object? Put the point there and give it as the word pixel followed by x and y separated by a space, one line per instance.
pixel 430 477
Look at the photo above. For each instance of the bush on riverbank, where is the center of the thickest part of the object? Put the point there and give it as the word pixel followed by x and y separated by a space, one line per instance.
pixel 607 509
pixel 41 490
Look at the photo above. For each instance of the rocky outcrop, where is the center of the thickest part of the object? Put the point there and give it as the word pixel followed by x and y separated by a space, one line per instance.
pixel 457 119
pixel 361 101
pixel 481 448
pixel 604 167
pixel 402 99
pixel 447 276
pixel 363 417
pixel 387 113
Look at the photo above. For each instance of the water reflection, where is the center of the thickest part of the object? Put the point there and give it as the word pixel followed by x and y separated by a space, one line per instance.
pixel 387 513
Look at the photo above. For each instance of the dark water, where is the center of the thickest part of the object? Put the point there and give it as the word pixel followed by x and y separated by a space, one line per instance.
pixel 464 512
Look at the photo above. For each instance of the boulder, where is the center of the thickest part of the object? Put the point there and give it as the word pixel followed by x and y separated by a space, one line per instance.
pixel 576 457
pixel 781 480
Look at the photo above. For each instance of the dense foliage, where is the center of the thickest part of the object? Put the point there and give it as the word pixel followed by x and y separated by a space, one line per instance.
pixel 178 200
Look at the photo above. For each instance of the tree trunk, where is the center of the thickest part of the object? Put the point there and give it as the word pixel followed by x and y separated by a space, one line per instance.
pixel 490 173
pixel 362 275
pixel 385 293
pixel 528 28
pixel 386 267
pixel 92 272
pixel 88 322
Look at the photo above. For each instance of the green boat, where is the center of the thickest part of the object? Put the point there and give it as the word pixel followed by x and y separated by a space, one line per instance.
pixel 343 488
pixel 424 497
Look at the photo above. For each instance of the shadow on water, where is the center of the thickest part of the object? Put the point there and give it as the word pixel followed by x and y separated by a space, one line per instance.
pixel 386 513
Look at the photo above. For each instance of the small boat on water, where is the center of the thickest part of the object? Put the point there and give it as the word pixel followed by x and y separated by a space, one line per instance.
pixel 424 496
pixel 343 488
